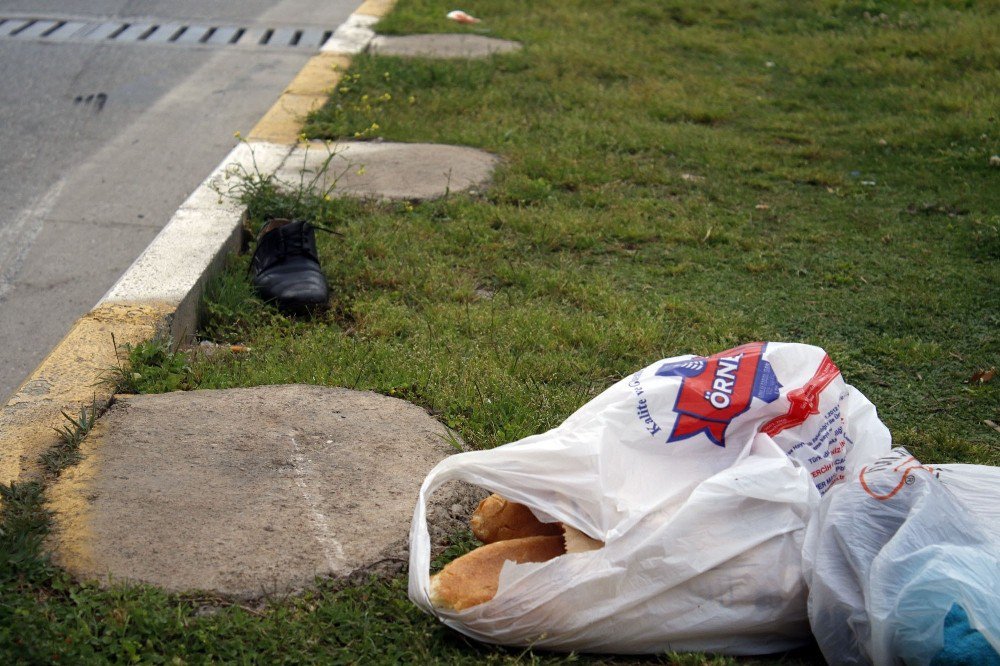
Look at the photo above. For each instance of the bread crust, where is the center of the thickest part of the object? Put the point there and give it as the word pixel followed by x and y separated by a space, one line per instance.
pixel 576 541
pixel 473 578
pixel 498 519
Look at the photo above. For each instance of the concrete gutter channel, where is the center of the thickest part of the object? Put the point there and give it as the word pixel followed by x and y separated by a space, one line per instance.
pixel 160 292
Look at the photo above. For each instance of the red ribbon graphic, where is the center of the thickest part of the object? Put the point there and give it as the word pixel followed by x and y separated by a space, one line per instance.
pixel 803 401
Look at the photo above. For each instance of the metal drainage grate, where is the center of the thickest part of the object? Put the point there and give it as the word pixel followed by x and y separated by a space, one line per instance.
pixel 154 32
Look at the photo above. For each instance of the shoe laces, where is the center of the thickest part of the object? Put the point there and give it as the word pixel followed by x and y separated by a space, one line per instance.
pixel 287 242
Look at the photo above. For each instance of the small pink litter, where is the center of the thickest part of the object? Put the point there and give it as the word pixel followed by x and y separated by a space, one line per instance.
pixel 461 17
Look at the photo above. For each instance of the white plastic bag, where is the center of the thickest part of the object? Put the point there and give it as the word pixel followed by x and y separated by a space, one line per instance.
pixel 699 474
pixel 890 554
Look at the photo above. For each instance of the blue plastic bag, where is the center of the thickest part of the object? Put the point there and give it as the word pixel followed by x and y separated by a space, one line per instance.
pixel 903 565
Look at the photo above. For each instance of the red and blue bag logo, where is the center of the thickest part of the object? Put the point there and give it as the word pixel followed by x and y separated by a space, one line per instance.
pixel 718 388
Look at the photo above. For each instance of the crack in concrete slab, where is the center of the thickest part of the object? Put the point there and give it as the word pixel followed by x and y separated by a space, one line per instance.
pixel 333 551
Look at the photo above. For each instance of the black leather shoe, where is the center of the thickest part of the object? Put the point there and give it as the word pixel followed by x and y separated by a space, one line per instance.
pixel 285 267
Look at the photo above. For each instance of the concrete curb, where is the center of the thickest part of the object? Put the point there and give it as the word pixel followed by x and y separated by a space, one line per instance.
pixel 159 293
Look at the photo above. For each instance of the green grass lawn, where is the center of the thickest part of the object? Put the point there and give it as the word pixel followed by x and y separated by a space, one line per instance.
pixel 677 177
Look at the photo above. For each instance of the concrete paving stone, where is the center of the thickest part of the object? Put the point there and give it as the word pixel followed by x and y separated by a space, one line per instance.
pixel 389 170
pixel 251 492
pixel 441 46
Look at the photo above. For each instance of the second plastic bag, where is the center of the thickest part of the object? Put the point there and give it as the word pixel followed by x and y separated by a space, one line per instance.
pixel 699 474
pixel 903 565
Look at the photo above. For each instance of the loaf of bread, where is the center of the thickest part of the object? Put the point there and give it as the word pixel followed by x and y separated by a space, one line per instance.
pixel 576 541
pixel 497 519
pixel 473 578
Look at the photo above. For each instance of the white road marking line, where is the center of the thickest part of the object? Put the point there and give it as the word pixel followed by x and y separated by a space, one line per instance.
pixel 17 239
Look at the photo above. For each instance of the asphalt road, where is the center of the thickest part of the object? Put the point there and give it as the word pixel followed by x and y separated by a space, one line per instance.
pixel 101 140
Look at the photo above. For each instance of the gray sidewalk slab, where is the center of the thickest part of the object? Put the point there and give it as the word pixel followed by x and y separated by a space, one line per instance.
pixel 252 492
pixel 390 170
pixel 441 46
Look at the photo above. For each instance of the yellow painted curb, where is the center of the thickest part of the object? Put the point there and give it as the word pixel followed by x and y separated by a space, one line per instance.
pixel 73 375
pixel 283 122
pixel 72 543
pixel 377 8
pixel 310 89
pixel 307 92
pixel 319 75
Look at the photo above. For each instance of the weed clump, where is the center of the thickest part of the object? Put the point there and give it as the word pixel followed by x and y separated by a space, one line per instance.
pixel 361 102
pixel 310 197
pixel 67 451
pixel 153 366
